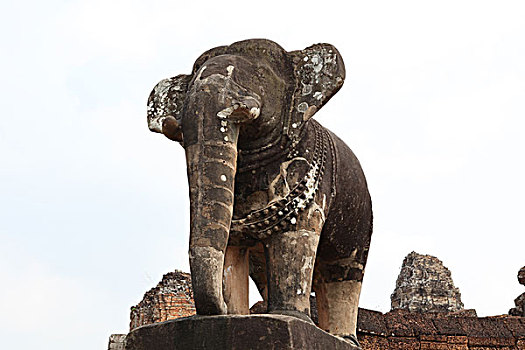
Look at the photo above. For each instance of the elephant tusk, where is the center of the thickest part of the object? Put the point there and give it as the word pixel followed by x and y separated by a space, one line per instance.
pixel 226 112
pixel 255 111
pixel 240 112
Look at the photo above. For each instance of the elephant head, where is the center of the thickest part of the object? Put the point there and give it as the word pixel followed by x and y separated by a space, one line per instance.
pixel 251 97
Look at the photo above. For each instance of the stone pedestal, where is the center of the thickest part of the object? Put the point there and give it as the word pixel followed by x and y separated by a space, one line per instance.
pixel 237 332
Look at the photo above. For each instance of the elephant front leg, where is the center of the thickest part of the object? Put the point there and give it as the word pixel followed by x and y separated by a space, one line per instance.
pixel 235 280
pixel 290 262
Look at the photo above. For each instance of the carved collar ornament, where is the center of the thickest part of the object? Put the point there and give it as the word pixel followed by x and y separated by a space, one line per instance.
pixel 281 215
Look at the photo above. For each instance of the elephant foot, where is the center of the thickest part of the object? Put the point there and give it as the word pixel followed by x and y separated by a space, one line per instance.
pixel 293 313
pixel 213 308
pixel 206 264
pixel 352 339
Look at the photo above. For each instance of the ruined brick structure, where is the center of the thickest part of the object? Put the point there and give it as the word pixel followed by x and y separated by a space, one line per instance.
pixel 460 330
pixel 519 310
pixel 397 329
pixel 172 298
pixel 405 330
pixel 425 285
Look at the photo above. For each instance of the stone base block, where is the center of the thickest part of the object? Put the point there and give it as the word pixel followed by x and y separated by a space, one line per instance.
pixel 234 332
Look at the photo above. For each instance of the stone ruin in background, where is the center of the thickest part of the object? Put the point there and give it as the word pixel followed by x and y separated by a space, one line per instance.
pixel 116 342
pixel 172 298
pixel 425 285
pixel 451 328
pixel 519 310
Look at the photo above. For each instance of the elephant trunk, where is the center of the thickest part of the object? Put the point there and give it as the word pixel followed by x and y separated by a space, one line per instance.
pixel 214 109
pixel 211 182
pixel 211 155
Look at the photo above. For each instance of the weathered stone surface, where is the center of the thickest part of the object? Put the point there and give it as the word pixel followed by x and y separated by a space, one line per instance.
pixel 401 329
pixel 234 332
pixel 412 330
pixel 273 194
pixel 449 326
pixel 521 275
pixel 425 285
pixel 519 310
pixel 403 343
pixel 373 342
pixel 172 298
pixel 261 308
pixel 116 342
pixel 371 322
pixel 408 324
pixel 516 325
pixel 398 329
pixel 462 313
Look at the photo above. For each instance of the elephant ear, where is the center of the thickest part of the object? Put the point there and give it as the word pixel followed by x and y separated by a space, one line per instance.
pixel 319 72
pixel 165 106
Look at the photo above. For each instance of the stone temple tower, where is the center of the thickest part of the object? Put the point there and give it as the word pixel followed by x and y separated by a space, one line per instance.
pixel 425 285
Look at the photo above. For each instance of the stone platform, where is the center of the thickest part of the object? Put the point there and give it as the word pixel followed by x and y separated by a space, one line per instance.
pixel 234 332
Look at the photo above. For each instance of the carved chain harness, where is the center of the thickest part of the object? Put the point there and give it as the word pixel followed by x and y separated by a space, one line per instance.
pixel 281 215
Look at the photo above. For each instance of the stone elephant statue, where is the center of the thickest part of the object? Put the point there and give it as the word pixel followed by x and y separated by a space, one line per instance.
pixel 273 194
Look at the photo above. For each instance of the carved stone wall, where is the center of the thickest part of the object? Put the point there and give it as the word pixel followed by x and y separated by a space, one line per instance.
pixel 425 285
pixel 401 329
pixel 404 330
pixel 172 298
pixel 519 310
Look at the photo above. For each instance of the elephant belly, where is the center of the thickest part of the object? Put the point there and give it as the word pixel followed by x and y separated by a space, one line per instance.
pixel 348 227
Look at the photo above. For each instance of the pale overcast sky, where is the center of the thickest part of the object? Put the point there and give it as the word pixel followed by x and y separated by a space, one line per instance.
pixel 94 207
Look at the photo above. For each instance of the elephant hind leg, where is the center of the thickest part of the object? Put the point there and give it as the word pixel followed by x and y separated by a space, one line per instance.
pixel 258 270
pixel 337 291
pixel 235 280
